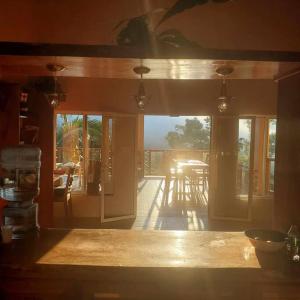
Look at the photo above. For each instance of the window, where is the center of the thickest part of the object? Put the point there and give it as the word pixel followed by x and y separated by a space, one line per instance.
pixel 244 158
pixel 78 145
pixel 270 157
pixel 93 153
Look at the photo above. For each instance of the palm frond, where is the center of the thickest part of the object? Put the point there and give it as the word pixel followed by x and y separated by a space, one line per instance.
pixel 175 38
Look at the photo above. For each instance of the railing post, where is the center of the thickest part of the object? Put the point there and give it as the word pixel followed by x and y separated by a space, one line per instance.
pixel 150 163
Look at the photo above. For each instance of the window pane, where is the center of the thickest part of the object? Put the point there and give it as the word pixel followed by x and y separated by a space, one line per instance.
pixel 272 137
pixel 271 155
pixel 243 164
pixel 94 143
pixel 108 170
pixel 69 146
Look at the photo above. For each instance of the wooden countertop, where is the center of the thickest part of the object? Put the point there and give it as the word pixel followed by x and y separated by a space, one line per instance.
pixel 153 252
pixel 130 248
pixel 131 264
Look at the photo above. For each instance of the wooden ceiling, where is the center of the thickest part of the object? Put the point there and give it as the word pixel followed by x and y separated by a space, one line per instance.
pixel 23 60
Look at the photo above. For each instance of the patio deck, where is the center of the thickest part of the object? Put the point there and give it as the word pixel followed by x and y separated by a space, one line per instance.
pixel 176 208
pixel 157 209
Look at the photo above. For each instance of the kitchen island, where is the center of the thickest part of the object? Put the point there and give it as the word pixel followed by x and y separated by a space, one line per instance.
pixel 130 264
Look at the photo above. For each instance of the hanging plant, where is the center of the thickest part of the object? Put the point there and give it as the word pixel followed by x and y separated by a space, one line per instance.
pixel 136 31
pixel 175 38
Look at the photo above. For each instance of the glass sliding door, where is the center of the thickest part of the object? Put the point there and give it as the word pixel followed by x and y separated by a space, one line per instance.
pixel 119 168
pixel 232 168
pixel 93 153
pixel 244 174
pixel 270 157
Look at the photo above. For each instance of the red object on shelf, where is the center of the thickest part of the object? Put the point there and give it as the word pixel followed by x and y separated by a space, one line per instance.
pixel 2 205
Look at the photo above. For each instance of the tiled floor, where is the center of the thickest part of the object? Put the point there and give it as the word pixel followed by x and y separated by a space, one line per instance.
pixel 179 207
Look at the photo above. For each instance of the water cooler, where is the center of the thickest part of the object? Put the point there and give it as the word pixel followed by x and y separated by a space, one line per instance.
pixel 19 185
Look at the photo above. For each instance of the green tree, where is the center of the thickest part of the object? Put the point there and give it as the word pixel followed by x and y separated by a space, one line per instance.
pixel 192 135
pixel 94 130
pixel 272 143
pixel 67 128
pixel 244 151
pixel 69 136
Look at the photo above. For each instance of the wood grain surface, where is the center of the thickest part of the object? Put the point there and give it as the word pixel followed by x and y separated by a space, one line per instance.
pixel 124 248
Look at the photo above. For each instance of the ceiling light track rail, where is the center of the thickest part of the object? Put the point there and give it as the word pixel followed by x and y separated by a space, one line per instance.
pixel 113 51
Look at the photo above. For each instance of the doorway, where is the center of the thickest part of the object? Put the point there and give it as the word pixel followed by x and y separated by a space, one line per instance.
pixel 173 185
pixel 100 151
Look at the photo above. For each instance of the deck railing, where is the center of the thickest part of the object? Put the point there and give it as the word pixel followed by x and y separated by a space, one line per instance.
pixel 154 164
pixel 154 160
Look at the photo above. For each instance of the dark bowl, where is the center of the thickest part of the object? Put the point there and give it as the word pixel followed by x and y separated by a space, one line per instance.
pixel 266 240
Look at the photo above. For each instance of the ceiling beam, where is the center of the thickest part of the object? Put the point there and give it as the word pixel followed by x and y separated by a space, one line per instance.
pixel 113 51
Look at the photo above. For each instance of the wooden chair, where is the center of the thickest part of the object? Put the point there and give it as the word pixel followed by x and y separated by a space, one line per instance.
pixel 202 178
pixel 64 194
pixel 198 178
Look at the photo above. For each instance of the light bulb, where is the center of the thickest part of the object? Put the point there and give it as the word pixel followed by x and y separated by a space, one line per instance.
pixel 222 106
pixel 140 101
pixel 141 98
pixel 53 100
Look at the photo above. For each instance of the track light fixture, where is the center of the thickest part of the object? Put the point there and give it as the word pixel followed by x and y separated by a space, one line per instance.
pixel 224 100
pixel 55 95
pixel 141 98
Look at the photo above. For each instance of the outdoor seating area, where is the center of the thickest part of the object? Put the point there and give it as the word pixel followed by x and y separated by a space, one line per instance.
pixel 186 172
pixel 187 180
pixel 176 197
pixel 159 210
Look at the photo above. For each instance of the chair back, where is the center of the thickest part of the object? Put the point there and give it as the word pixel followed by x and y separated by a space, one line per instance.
pixel 69 181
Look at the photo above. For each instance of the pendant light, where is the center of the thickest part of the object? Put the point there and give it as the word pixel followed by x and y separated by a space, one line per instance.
pixel 141 98
pixel 55 95
pixel 224 100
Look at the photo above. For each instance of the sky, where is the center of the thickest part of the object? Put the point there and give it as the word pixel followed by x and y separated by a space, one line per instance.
pixel 157 127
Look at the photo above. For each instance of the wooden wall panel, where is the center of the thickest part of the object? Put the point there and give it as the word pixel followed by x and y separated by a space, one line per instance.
pixel 45 120
pixel 287 167
pixel 184 97
pixel 9 120
pixel 9 117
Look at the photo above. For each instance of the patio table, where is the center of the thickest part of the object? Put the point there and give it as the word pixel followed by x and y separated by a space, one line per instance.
pixel 192 169
pixel 190 163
